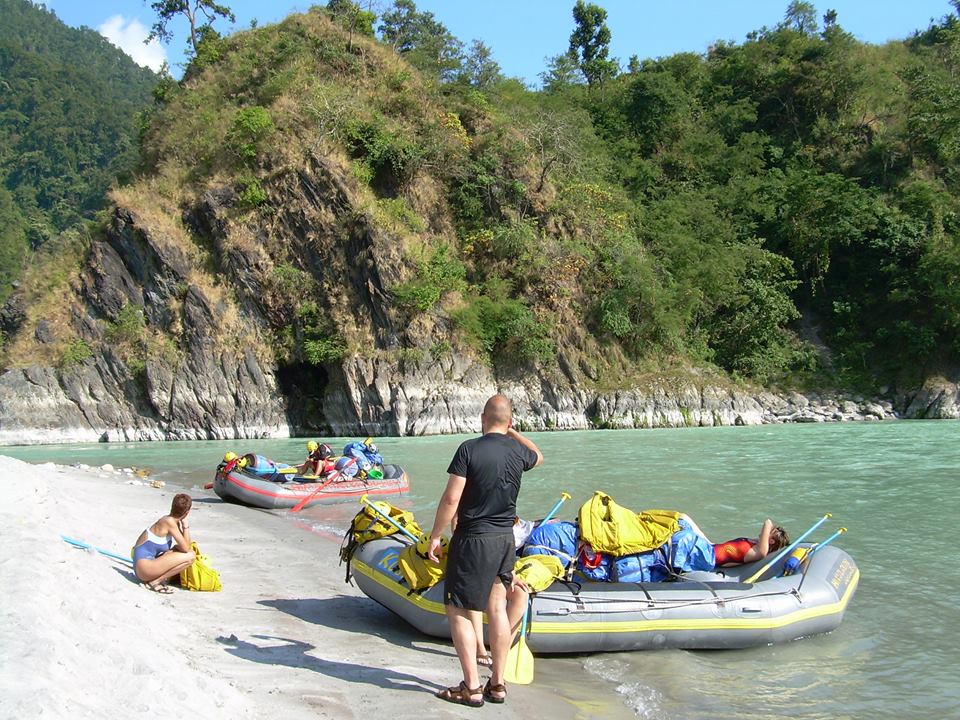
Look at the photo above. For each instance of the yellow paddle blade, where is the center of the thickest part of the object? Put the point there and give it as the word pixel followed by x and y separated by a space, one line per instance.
pixel 519 669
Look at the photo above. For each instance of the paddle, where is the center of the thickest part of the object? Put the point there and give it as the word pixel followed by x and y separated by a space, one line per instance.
pixel 299 506
pixel 385 516
pixel 816 548
pixel 87 546
pixel 519 667
pixel 787 550
pixel 563 496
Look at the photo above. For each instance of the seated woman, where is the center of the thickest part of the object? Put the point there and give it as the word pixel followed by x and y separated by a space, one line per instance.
pixel 745 550
pixel 163 549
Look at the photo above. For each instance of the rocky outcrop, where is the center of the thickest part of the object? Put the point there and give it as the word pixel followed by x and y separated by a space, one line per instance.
pixel 448 396
pixel 937 399
pixel 212 386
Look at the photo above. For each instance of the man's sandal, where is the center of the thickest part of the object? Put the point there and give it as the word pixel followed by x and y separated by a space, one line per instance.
pixel 489 690
pixel 460 695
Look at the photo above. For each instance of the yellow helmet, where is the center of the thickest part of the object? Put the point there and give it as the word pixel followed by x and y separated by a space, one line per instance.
pixel 423 544
pixel 242 462
pixel 229 455
pixel 312 446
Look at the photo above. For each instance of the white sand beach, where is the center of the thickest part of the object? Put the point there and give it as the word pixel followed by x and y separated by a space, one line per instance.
pixel 79 637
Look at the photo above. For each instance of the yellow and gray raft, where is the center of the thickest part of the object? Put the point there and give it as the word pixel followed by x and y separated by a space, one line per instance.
pixel 701 610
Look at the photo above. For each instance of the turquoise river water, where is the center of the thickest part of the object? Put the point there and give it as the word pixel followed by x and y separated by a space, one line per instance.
pixel 893 485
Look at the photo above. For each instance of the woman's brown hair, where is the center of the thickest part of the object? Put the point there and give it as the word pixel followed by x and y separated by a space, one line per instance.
pixel 181 505
pixel 779 535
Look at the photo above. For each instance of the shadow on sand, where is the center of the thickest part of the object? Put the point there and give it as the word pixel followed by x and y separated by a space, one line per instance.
pixel 359 615
pixel 294 653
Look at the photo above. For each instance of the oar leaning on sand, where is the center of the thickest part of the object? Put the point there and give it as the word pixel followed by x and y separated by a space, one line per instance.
pixel 519 667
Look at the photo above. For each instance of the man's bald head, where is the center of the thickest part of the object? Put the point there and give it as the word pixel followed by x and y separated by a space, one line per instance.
pixel 497 414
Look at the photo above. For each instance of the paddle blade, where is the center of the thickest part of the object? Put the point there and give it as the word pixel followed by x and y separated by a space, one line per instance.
pixel 519 668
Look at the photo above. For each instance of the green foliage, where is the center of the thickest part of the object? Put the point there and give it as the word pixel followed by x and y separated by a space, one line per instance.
pixel 199 14
pixel 480 70
pixel 503 328
pixel 323 350
pixel 393 157
pixel 422 39
pixel 251 193
pixel 590 42
pixel 211 47
pixel 68 106
pixel 74 353
pixel 682 212
pixel 319 345
pixel 13 243
pixel 352 16
pixel 128 327
pixel 441 273
pixel 251 127
pixel 399 211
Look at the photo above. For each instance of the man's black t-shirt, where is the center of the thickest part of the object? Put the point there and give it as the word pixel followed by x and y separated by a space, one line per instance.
pixel 492 465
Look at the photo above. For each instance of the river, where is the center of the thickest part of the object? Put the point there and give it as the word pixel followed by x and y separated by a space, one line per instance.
pixel 892 484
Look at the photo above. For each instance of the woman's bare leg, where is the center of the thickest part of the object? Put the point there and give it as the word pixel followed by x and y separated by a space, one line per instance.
pixel 156 570
pixel 694 526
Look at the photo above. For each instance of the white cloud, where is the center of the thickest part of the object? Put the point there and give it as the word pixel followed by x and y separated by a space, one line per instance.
pixel 128 35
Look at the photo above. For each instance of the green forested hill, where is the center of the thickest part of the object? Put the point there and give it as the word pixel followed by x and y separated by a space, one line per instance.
pixel 783 209
pixel 68 106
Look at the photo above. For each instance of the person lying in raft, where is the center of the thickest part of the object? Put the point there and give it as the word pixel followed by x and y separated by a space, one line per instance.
pixel 163 549
pixel 317 462
pixel 745 550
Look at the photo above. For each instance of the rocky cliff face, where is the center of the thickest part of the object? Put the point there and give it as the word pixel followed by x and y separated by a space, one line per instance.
pixel 220 379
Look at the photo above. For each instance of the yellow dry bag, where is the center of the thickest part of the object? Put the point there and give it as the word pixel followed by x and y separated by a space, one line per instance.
pixel 200 575
pixel 612 529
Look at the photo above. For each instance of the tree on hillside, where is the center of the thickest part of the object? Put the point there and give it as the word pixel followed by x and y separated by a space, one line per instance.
pixel 590 43
pixel 199 13
pixel 802 17
pixel 426 42
pixel 562 72
pixel 352 16
pixel 480 70
pixel 554 144
pixel 13 242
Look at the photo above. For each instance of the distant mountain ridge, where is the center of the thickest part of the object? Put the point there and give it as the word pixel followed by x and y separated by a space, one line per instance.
pixel 69 102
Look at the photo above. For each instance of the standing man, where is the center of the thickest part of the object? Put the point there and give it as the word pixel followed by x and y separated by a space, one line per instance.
pixel 482 493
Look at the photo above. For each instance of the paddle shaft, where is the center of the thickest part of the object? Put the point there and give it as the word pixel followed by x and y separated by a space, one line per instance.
pixel 787 550
pixel 816 548
pixel 389 519
pixel 300 505
pixel 553 511
pixel 87 546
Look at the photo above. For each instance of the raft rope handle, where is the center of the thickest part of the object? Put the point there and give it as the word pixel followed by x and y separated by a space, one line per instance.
pixel 665 604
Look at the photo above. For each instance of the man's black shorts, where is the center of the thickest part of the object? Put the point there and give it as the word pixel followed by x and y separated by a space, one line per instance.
pixel 474 562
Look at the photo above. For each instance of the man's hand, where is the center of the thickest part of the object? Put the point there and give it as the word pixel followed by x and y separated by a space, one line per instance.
pixel 517 584
pixel 436 549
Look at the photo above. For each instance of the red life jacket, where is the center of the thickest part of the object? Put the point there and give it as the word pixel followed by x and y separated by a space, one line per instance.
pixel 732 551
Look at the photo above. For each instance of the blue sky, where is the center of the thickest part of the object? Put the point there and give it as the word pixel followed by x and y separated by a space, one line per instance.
pixel 522 33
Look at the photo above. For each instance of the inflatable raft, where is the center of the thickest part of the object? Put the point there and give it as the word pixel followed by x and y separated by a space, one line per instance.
pixel 702 610
pixel 284 491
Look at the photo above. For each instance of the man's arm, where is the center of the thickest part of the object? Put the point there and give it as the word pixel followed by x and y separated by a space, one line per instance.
pixel 449 502
pixel 526 442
